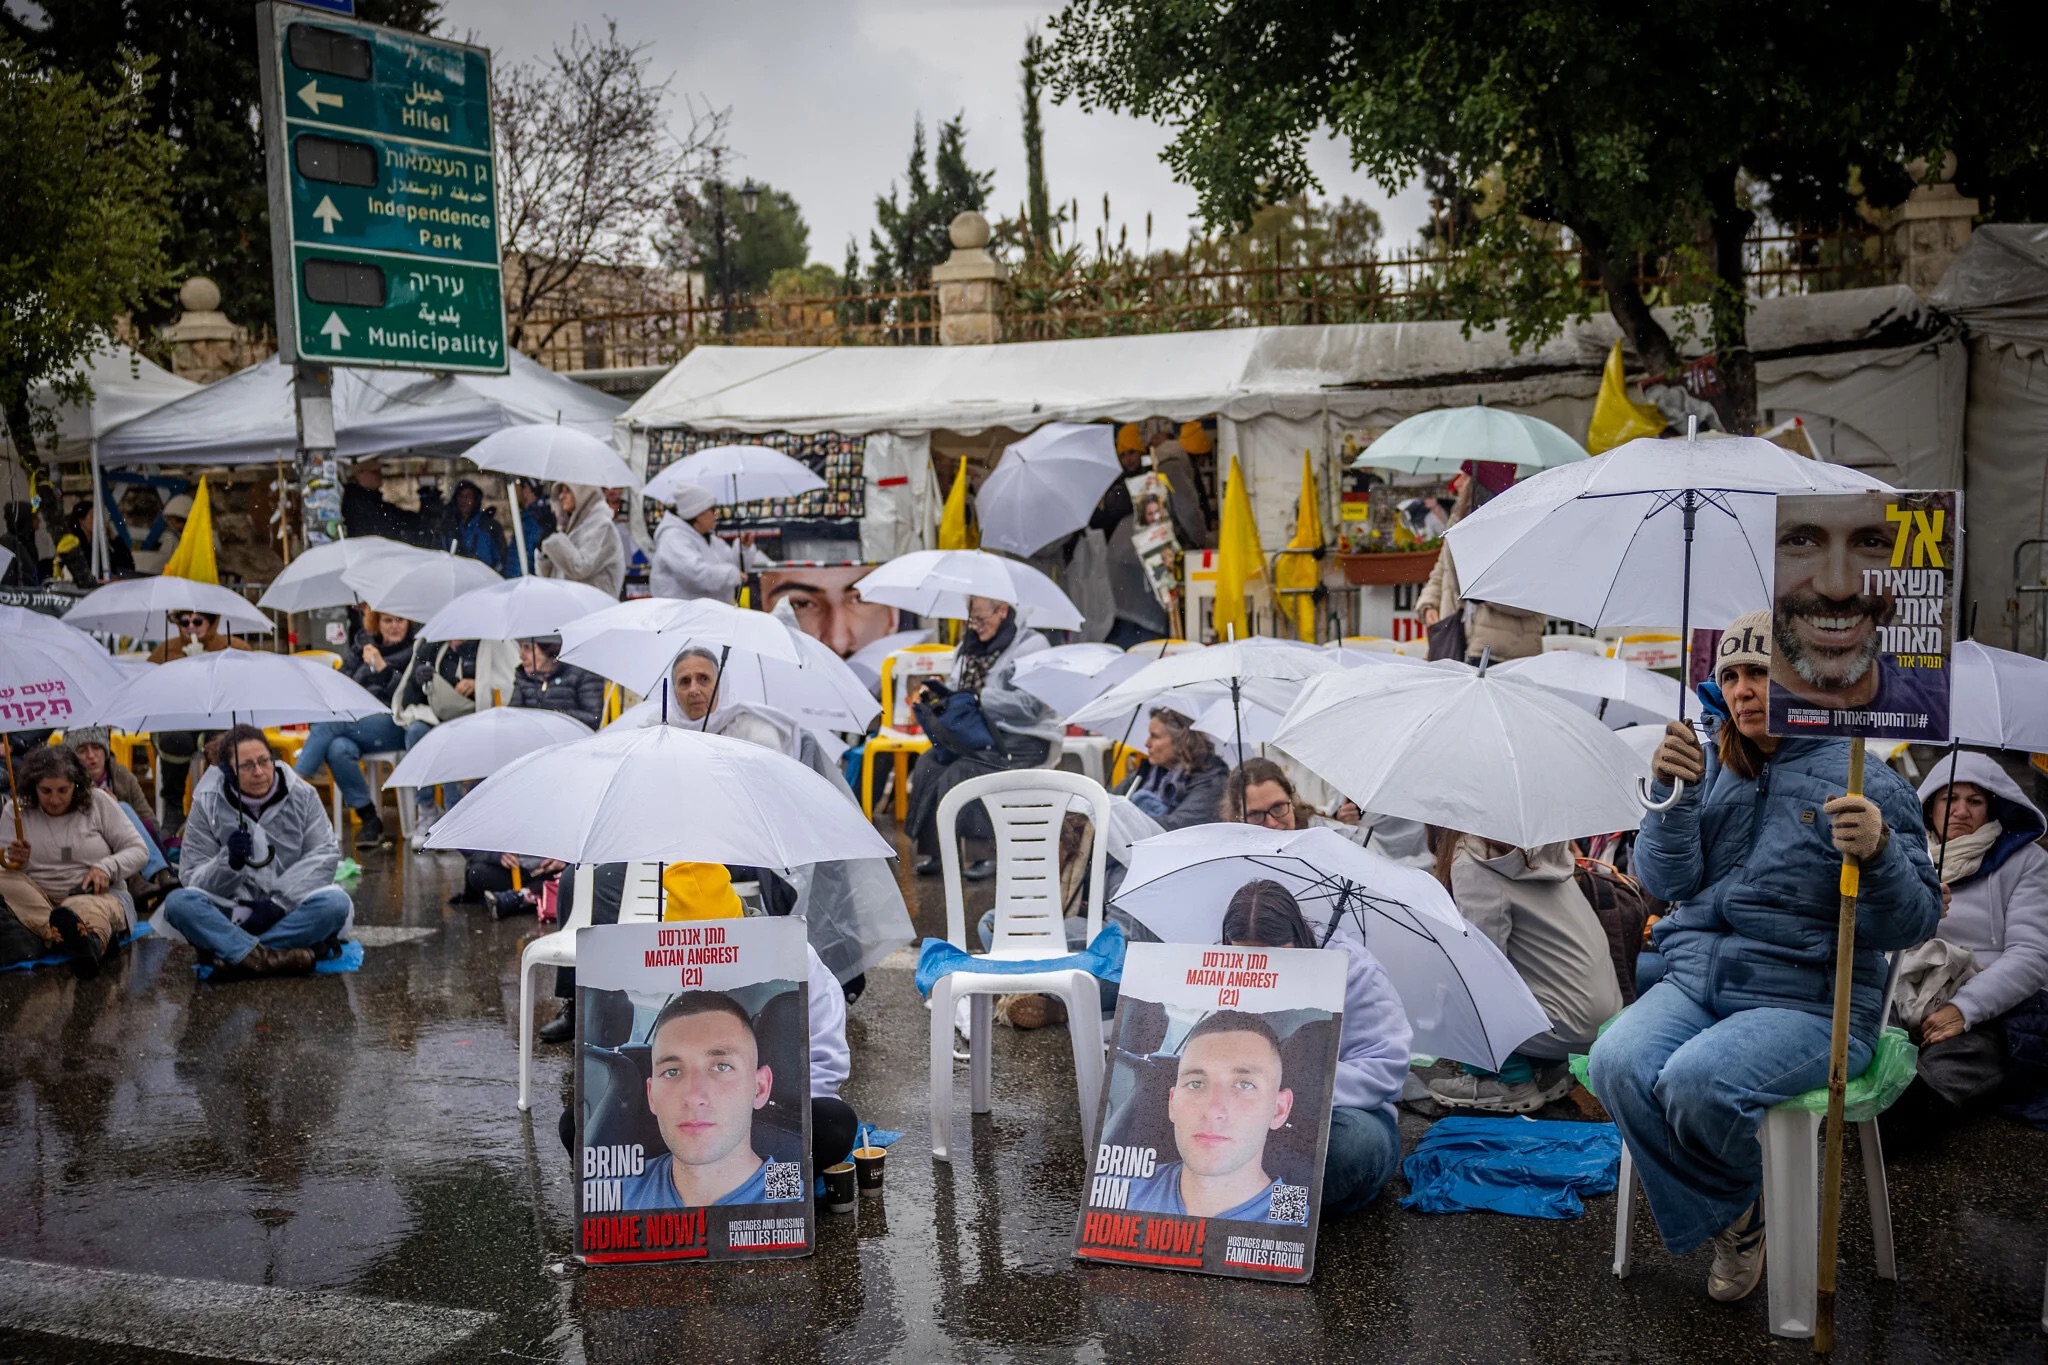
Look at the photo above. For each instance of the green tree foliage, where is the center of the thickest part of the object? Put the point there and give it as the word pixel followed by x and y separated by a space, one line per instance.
pixel 910 223
pixel 772 239
pixel 1037 202
pixel 205 98
pixel 1656 133
pixel 88 205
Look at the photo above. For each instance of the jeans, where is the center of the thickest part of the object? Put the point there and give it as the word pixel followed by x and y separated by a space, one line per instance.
pixel 341 744
pixel 1689 1091
pixel 204 920
pixel 157 862
pixel 424 796
pixel 1365 1150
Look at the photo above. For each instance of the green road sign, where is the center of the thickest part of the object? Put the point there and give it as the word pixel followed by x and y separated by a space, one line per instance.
pixel 383 193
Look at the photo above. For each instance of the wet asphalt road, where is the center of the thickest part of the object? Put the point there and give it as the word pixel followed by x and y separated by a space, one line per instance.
pixel 335 1169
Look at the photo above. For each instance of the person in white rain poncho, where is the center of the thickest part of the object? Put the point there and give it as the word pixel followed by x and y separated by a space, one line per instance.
pixel 853 910
pixel 691 560
pixel 586 548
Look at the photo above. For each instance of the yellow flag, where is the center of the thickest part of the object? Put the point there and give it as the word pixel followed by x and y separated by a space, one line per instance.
pixel 1616 416
pixel 1301 571
pixel 193 558
pixel 1238 561
pixel 954 532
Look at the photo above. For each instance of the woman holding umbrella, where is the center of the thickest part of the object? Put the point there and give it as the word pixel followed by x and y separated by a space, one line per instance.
pixel 63 874
pixel 980 722
pixel 1750 856
pixel 690 561
pixel 586 548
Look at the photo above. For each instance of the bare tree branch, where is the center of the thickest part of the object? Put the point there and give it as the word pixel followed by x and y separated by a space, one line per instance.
pixel 587 161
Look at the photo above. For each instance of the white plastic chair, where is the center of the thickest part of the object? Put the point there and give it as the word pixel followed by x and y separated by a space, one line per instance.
pixel 407 809
pixel 1092 753
pixel 642 898
pixel 1027 809
pixel 550 950
pixel 1791 1193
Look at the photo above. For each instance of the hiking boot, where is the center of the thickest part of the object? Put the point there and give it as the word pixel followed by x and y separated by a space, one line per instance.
pixel 506 904
pixel 79 943
pixel 561 1028
pixel 371 832
pixel 262 961
pixel 1031 1011
pixel 1495 1096
pixel 1738 1257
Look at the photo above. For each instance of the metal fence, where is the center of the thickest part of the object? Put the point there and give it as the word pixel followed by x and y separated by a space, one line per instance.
pixel 1130 296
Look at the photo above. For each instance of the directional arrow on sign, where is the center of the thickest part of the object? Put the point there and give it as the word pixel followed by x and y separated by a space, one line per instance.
pixel 334 329
pixel 314 97
pixel 326 213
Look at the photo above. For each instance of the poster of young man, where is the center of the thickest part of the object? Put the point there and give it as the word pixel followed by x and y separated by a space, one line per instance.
pixel 693 1091
pixel 827 602
pixel 1863 614
pixel 1216 1113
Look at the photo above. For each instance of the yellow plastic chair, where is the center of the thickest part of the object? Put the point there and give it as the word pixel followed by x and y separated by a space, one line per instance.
pixel 898 743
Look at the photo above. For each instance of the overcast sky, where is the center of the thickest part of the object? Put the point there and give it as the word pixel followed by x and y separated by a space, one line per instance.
pixel 823 94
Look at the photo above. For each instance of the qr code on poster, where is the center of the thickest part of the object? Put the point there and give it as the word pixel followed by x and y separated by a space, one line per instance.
pixel 1290 1204
pixel 783 1180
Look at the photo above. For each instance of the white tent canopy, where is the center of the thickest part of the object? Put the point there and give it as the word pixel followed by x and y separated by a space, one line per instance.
pixel 247 418
pixel 125 386
pixel 1874 373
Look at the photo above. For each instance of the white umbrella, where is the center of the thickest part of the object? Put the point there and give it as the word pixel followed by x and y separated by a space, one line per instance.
pixel 1268 671
pixel 137 607
pixel 1464 749
pixel 480 743
pixel 1613 541
pixel 418 586
pixel 50 673
pixel 1462 996
pixel 313 580
pixel 515 609
pixel 233 686
pixel 1046 486
pixel 1997 699
pixel 1440 441
pixel 939 582
pixel 1068 677
pixel 554 453
pixel 635 642
pixel 1616 691
pixel 822 694
pixel 661 794
pixel 734 474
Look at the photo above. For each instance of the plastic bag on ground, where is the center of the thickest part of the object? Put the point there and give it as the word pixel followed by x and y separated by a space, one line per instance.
pixel 1527 1167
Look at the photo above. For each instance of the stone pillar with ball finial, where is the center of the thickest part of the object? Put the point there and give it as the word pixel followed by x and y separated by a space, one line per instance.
pixel 972 285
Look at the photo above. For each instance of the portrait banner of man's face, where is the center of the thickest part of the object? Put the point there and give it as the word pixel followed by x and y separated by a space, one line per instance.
pixel 693 1086
pixel 1863 614
pixel 1215 1113
pixel 827 602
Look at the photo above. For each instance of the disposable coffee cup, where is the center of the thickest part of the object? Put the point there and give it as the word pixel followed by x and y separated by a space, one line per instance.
pixel 841 1188
pixel 867 1164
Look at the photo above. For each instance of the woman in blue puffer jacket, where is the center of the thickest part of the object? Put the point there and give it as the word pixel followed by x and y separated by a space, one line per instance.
pixel 1751 857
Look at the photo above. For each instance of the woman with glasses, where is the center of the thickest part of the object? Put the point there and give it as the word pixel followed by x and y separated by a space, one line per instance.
pixel 1181 780
pixel 378 659
pixel 197 632
pixel 1016 729
pixel 1261 793
pixel 259 897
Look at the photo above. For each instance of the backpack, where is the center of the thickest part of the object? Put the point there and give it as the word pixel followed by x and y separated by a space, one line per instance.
pixel 1624 910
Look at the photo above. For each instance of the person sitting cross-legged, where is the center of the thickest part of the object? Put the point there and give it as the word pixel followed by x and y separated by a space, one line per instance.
pixel 259 897
pixel 62 878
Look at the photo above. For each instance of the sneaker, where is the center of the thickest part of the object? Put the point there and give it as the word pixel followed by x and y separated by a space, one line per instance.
pixel 1738 1257
pixel 371 832
pixel 79 943
pixel 1491 1094
pixel 980 870
pixel 506 904
pixel 1031 1011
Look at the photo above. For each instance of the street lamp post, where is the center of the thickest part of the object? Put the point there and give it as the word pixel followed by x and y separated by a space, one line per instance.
pixel 750 199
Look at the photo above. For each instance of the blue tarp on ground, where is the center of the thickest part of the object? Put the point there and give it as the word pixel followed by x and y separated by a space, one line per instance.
pixel 1528 1167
